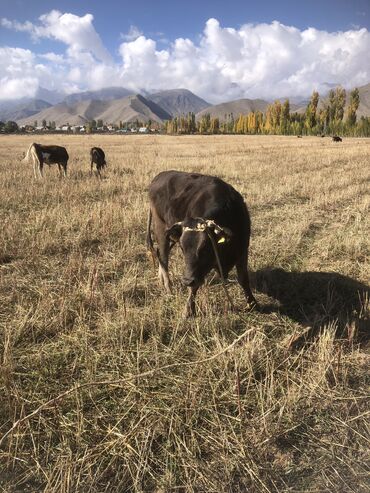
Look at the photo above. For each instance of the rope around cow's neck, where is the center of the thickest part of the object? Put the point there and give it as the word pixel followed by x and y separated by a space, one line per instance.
pixel 214 245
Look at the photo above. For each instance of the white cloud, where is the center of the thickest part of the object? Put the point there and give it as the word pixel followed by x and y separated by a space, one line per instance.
pixel 133 33
pixel 78 33
pixel 53 57
pixel 16 80
pixel 16 88
pixel 255 60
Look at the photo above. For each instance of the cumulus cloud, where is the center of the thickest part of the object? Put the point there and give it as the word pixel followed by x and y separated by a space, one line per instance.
pixel 133 33
pixel 18 87
pixel 254 60
pixel 16 79
pixel 78 33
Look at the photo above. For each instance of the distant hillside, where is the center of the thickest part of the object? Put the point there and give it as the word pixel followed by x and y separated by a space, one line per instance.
pixel 16 110
pixel 237 107
pixel 50 96
pixel 106 94
pixel 179 101
pixel 105 104
pixel 127 109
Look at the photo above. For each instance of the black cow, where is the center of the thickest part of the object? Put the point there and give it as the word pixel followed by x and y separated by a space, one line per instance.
pixel 335 138
pixel 97 156
pixel 40 154
pixel 194 209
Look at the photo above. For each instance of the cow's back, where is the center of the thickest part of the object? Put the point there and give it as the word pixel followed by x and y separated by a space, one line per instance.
pixel 177 195
pixel 57 153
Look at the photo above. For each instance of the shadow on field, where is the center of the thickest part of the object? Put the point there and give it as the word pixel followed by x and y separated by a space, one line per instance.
pixel 316 299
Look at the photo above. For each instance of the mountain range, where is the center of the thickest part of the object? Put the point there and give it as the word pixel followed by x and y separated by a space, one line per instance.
pixel 114 104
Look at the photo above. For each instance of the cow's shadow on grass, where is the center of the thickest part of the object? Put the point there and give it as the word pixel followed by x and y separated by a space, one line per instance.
pixel 319 299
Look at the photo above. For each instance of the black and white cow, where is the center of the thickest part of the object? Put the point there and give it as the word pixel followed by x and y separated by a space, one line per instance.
pixel 200 213
pixel 43 154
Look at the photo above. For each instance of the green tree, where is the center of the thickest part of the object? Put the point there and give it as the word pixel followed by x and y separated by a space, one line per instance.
pixel 354 102
pixel 214 126
pixel 340 95
pixel 10 127
pixel 285 117
pixel 44 123
pixel 205 123
pixel 276 116
pixel 311 117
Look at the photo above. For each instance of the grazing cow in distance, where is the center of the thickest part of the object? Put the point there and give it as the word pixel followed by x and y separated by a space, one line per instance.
pixel 201 213
pixel 299 136
pixel 97 156
pixel 336 138
pixel 42 154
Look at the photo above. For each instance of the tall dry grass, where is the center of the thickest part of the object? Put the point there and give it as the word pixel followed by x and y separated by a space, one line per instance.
pixel 285 409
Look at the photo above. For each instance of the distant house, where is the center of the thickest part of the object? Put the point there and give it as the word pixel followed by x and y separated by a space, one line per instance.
pixel 65 128
pixel 143 130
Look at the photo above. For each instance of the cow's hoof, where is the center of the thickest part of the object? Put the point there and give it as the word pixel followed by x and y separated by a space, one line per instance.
pixel 188 313
pixel 252 305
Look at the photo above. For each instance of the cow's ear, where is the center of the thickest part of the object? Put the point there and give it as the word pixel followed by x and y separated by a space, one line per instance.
pixel 174 232
pixel 223 235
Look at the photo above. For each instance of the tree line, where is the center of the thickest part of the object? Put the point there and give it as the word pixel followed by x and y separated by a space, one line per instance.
pixel 278 119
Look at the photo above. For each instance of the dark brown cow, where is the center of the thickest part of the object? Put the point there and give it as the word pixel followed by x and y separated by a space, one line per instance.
pixel 336 138
pixel 42 154
pixel 97 157
pixel 199 212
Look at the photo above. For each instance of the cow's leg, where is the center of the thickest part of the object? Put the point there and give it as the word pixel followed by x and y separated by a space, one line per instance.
pixel 243 279
pixel 64 169
pixel 163 256
pixel 41 170
pixel 35 169
pixel 60 170
pixel 98 168
pixel 91 167
pixel 163 252
pixel 190 304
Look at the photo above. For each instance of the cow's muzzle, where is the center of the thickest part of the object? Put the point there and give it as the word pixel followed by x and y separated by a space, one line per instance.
pixel 191 282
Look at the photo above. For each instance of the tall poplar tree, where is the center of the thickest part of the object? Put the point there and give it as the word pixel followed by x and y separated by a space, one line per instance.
pixel 354 102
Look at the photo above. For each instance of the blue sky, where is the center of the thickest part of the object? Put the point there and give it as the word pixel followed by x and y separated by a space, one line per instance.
pixel 172 19
pixel 131 39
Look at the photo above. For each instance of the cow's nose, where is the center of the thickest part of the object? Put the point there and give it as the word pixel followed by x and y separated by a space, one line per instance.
pixel 189 281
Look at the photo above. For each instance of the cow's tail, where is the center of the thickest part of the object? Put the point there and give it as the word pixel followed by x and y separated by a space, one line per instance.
pixel 31 155
pixel 149 239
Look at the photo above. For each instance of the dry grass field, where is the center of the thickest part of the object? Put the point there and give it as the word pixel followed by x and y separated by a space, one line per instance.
pixel 275 400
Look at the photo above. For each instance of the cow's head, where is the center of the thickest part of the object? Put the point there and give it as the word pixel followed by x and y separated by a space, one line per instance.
pixel 194 236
